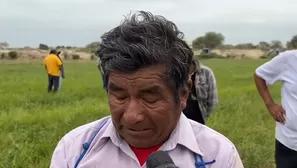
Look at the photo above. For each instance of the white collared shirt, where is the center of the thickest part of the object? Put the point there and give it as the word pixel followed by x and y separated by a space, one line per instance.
pixel 284 68
pixel 108 149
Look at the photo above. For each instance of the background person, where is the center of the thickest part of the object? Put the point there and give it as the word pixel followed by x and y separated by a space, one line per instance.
pixel 148 64
pixel 203 96
pixel 104 75
pixel 281 68
pixel 53 66
pixel 61 73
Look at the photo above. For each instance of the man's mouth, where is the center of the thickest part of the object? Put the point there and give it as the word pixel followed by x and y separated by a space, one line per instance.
pixel 139 130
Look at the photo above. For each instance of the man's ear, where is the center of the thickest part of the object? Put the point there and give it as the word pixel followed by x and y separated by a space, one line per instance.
pixel 185 93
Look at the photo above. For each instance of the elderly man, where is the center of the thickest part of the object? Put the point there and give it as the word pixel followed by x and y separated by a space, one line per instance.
pixel 203 96
pixel 148 64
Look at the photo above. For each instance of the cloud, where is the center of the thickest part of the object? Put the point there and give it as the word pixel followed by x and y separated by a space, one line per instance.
pixel 86 20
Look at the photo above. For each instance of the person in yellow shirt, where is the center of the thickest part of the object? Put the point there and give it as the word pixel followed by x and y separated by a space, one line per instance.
pixel 53 66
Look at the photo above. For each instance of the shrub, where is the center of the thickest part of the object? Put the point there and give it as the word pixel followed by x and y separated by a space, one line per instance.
pixel 92 57
pixel 75 56
pixel 272 55
pixel 210 56
pixel 268 56
pixel 230 56
pixel 31 56
pixel 2 56
pixel 13 55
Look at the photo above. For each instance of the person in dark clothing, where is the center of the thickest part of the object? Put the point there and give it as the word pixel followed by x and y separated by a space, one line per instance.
pixel 61 77
pixel 53 83
pixel 192 110
pixel 104 75
pixel 58 54
pixel 203 96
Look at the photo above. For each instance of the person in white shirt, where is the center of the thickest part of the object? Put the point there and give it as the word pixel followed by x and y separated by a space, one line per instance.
pixel 282 68
pixel 147 63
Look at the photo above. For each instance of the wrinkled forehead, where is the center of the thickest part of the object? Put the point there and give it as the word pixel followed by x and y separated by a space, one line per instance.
pixel 152 76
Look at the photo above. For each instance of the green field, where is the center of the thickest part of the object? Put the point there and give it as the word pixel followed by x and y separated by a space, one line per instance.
pixel 32 121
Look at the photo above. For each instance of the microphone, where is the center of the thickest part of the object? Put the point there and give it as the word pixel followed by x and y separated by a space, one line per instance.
pixel 160 159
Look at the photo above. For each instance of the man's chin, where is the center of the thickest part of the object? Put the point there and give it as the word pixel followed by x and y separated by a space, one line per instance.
pixel 147 142
pixel 136 143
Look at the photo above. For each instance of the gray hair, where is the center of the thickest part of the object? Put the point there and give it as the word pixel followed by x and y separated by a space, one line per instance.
pixel 144 40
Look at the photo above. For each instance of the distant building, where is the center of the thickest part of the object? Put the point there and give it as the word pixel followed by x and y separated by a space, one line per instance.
pixel 205 50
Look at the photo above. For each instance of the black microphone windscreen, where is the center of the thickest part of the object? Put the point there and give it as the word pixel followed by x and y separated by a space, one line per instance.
pixel 160 159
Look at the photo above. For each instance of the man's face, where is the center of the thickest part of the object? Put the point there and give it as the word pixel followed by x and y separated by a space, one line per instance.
pixel 143 106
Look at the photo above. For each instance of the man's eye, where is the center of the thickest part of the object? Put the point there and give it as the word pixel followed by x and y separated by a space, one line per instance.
pixel 121 97
pixel 150 100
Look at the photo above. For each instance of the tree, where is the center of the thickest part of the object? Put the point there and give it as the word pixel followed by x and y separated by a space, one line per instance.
pixel 43 47
pixel 60 47
pixel 292 43
pixel 263 45
pixel 93 47
pixel 198 42
pixel 209 40
pixel 213 39
pixel 227 46
pixel 246 46
pixel 289 45
pixel 276 44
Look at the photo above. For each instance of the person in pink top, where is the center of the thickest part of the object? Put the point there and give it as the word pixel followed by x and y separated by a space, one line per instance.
pixel 147 63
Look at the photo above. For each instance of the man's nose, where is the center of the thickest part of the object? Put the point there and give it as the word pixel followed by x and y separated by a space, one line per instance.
pixel 133 113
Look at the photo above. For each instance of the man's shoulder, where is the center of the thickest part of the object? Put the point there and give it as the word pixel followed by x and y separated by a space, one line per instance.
pixel 204 73
pixel 46 57
pixel 289 56
pixel 84 132
pixel 205 68
pixel 289 52
pixel 50 57
pixel 208 137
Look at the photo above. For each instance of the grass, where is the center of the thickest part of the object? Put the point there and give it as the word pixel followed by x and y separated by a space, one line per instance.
pixel 32 121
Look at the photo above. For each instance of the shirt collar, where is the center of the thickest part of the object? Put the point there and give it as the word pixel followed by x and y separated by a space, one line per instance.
pixel 183 135
pixel 111 133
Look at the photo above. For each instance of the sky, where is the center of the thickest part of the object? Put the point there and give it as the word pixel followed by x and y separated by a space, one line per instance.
pixel 79 22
